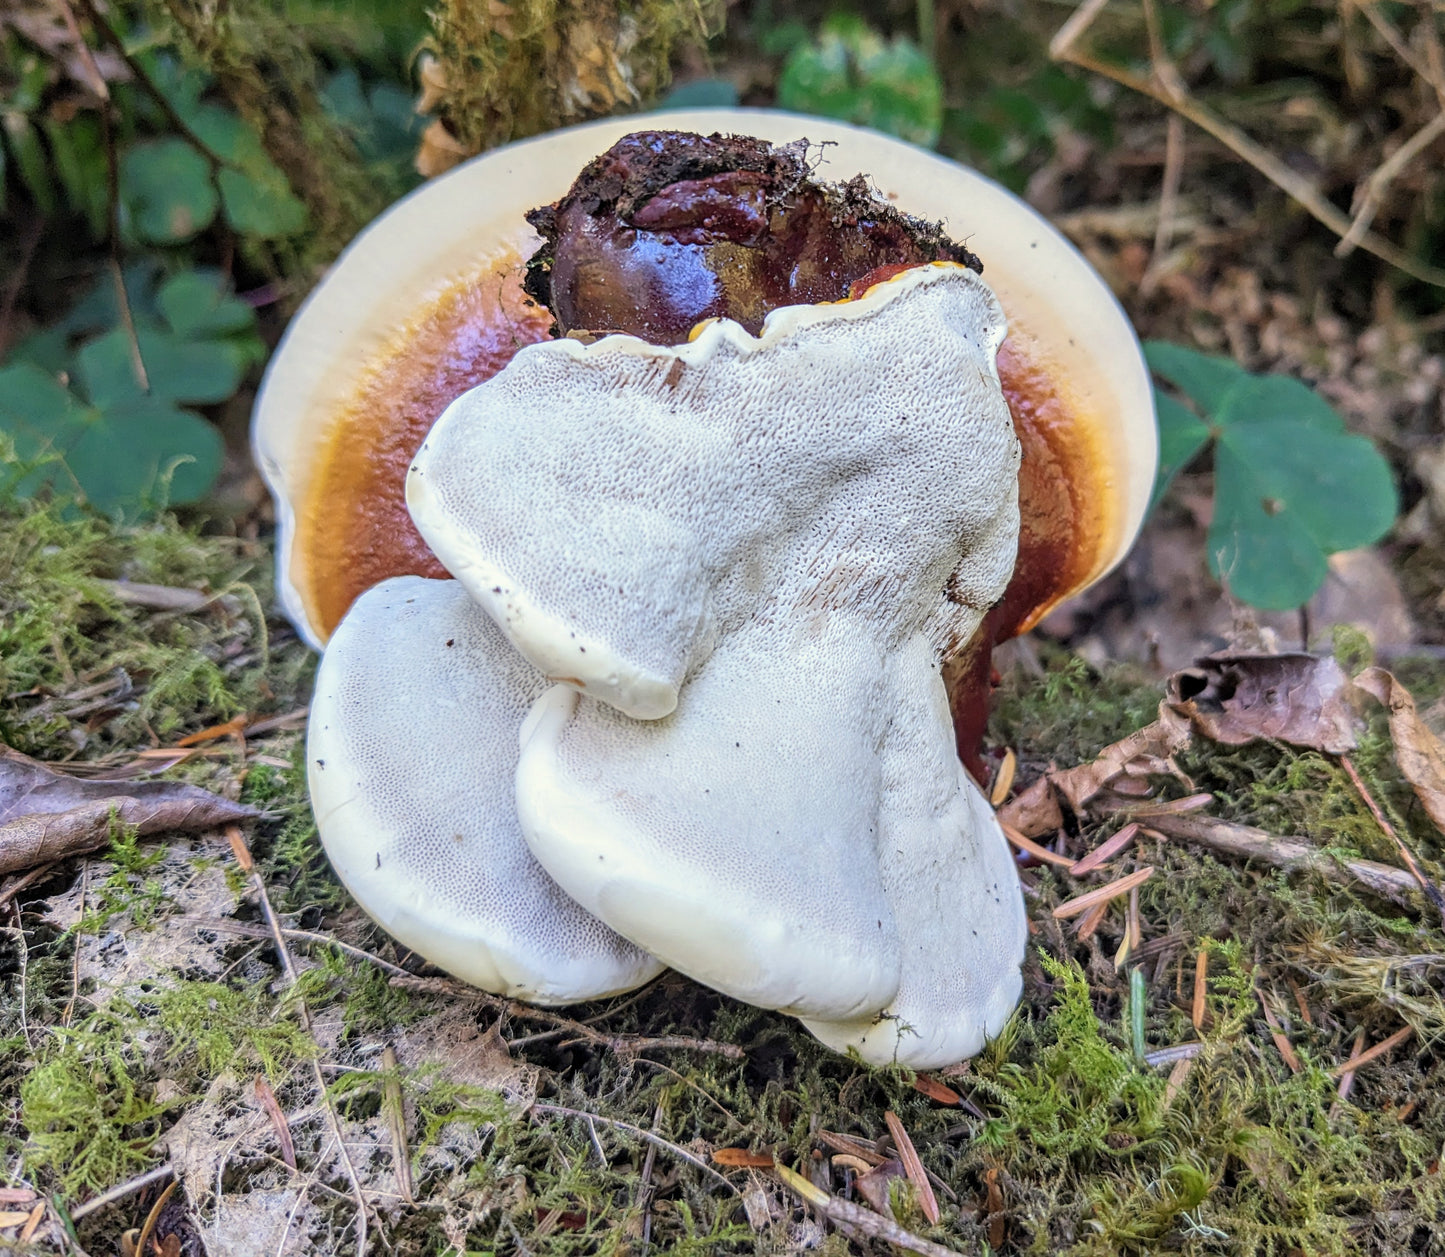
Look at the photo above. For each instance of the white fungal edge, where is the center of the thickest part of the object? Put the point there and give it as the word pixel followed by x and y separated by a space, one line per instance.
pixel 446 229
pixel 552 644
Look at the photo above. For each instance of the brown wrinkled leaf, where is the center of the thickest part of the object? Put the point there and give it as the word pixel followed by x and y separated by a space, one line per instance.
pixel 1301 699
pixel 874 1186
pixel 45 815
pixel 993 1207
pixel 1145 751
pixel 1034 811
pixel 1420 754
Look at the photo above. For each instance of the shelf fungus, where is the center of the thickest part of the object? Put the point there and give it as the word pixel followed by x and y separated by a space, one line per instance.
pixel 648 590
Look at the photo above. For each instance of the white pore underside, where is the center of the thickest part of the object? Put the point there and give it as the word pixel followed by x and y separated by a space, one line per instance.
pixel 411 757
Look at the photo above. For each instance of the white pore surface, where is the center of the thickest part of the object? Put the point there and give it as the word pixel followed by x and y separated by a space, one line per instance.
pixel 949 878
pixel 411 758
pixel 827 482
pixel 619 507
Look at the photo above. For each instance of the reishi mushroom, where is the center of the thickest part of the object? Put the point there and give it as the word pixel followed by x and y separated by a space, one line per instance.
pixel 774 539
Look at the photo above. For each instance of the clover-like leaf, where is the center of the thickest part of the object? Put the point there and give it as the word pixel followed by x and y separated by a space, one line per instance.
pixel 255 196
pixel 166 189
pixel 176 369
pixel 1203 378
pixel 1181 436
pixel 196 304
pixel 1291 485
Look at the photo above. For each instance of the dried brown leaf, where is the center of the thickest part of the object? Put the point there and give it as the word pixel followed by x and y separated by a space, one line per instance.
pixel 46 815
pixel 1420 754
pixel 1302 699
pixel 876 1185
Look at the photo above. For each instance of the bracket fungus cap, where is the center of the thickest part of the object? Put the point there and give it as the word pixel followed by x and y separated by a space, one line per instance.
pixel 427 302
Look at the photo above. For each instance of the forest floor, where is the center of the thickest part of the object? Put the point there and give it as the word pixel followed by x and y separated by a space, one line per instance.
pixel 212 1011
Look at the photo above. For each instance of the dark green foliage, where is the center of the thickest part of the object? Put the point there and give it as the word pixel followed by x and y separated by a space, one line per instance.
pixel 1291 486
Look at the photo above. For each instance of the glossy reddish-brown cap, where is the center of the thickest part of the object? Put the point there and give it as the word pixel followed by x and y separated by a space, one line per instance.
pixel 427 302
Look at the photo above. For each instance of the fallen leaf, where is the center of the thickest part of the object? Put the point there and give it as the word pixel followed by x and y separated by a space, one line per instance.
pixel 917 1175
pixel 46 815
pixel 936 1091
pixel 1292 697
pixel 875 1186
pixel 1420 754
pixel 993 1207
pixel 1148 750
pixel 13 1217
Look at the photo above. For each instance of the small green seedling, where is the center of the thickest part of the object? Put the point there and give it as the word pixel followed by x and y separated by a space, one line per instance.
pixel 851 72
pixel 1291 486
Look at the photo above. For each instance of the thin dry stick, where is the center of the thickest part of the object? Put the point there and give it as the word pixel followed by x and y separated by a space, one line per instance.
pixel 149 1225
pixel 855 1220
pixel 1374 1053
pixel 1228 838
pixel 278 1120
pixel 121 1191
pixel 16 884
pixel 913 1166
pixel 1347 1079
pixel 1407 857
pixel 1385 174
pixel 288 967
pixel 650 1136
pixel 1063 47
pixel 1028 845
pixel 1168 202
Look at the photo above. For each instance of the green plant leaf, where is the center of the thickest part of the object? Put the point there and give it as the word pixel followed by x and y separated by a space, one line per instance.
pixel 1181 436
pixel 1267 560
pixel 176 369
pixel 1336 486
pixel 1268 398
pixel 1202 378
pixel 257 204
pixel 145 451
pixel 166 190
pixel 30 161
pixel 851 72
pixel 196 304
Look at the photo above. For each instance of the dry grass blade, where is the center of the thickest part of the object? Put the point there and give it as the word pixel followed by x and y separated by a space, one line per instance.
pixel 1105 851
pixel 1176 1078
pixel 278 1120
pixel 1030 847
pixel 1090 922
pixel 1407 857
pixel 1347 1079
pixel 649 1136
pixel 741 1158
pixel 1276 1032
pixel 149 1226
pixel 1200 1007
pixel 850 1146
pixel 908 1154
pixel 121 1191
pixel 854 1220
pixel 1102 894
pixel 391 1100
pixel 1373 1054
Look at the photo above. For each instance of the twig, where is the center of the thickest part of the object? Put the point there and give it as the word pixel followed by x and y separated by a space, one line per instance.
pixel 1063 47
pixel 16 884
pixel 278 1120
pixel 392 1102
pixel 121 1191
pixel 1168 202
pixel 855 1220
pixel 1347 1079
pixel 1385 174
pixel 1432 892
pixel 913 1166
pixel 650 1136
pixel 288 967
pixel 1228 838
pixel 1374 1053
pixel 645 1189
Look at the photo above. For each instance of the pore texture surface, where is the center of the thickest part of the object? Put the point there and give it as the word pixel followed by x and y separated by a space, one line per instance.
pixel 411 756
pixel 619 508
